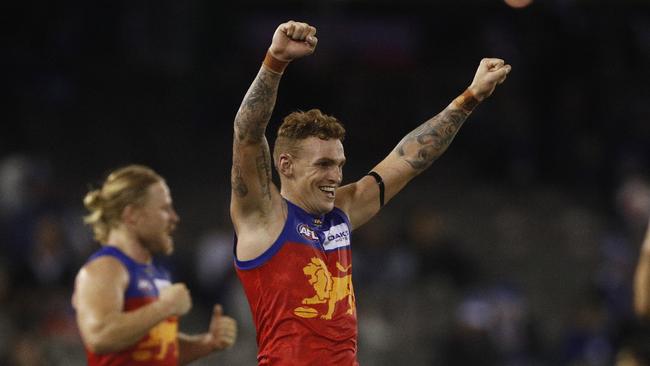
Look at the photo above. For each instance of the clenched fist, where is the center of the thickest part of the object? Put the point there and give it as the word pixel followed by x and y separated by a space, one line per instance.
pixel 490 73
pixel 293 40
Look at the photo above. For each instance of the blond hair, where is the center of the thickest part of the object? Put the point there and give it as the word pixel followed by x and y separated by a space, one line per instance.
pixel 300 125
pixel 124 186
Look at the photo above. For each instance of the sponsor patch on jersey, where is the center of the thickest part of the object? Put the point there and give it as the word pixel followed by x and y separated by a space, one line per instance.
pixel 161 284
pixel 337 236
pixel 306 232
pixel 144 285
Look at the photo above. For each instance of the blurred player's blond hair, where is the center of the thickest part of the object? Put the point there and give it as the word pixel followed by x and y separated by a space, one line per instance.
pixel 124 186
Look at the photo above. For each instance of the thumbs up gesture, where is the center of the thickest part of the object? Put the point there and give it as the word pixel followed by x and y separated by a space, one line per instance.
pixel 223 330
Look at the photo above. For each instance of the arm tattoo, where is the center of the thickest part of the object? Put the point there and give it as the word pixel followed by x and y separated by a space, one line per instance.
pixel 237 181
pixel 256 108
pixel 250 125
pixel 263 164
pixel 425 144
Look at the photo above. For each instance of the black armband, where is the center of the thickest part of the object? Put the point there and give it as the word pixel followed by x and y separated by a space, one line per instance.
pixel 380 183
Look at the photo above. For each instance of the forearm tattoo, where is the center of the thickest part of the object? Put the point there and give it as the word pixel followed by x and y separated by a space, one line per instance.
pixel 256 108
pixel 250 126
pixel 425 144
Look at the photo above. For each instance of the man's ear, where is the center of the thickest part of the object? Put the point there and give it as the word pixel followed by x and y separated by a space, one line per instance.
pixel 130 215
pixel 285 164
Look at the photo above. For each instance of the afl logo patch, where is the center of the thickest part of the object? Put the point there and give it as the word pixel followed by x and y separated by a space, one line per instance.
pixel 306 232
pixel 144 285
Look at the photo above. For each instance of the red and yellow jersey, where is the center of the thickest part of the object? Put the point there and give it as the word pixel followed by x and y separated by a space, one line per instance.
pixel 160 346
pixel 301 295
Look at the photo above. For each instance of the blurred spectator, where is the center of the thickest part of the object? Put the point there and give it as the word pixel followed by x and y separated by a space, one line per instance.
pixel 493 326
pixel 16 180
pixel 614 278
pixel 588 340
pixel 213 261
pixel 469 342
pixel 6 319
pixel 437 252
pixel 633 202
pixel 49 260
pixel 28 349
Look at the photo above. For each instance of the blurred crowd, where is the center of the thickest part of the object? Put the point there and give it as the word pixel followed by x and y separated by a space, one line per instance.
pixel 517 248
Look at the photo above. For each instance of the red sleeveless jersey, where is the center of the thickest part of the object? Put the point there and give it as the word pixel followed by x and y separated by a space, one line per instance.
pixel 301 295
pixel 160 346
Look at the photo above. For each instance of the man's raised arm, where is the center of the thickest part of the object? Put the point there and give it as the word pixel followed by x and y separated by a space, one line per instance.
pixel 253 192
pixel 419 148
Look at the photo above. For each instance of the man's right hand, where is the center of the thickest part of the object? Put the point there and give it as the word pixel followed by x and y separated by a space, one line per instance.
pixel 293 40
pixel 176 298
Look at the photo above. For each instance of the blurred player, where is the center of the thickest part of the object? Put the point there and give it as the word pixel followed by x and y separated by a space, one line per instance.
pixel 642 279
pixel 293 244
pixel 127 308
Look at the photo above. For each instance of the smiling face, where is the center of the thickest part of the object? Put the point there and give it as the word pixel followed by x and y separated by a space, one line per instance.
pixel 156 220
pixel 313 173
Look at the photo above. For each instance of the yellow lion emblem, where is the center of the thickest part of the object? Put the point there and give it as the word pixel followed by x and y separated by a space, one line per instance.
pixel 329 289
pixel 156 346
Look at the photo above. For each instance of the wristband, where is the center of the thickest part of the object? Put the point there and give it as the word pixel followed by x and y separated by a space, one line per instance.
pixel 380 183
pixel 273 64
pixel 466 101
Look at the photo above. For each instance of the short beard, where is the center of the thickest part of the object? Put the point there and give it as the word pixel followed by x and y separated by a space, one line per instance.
pixel 158 247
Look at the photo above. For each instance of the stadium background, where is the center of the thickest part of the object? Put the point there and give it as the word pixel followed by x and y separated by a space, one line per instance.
pixel 517 247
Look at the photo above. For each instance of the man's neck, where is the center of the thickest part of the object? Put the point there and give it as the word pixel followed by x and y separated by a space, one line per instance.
pixel 298 201
pixel 293 198
pixel 127 243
